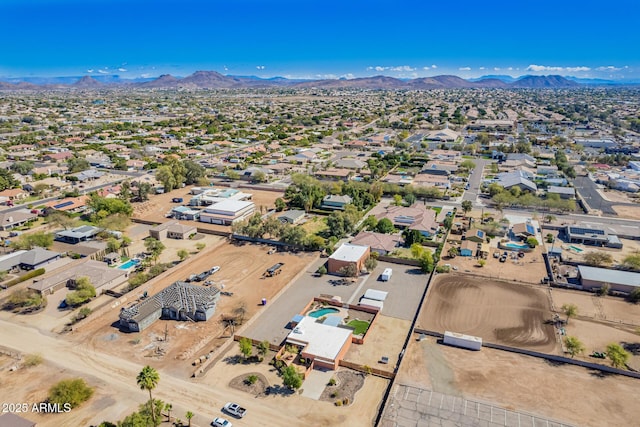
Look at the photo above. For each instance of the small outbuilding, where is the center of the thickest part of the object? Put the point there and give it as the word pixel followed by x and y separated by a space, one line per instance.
pixel 348 254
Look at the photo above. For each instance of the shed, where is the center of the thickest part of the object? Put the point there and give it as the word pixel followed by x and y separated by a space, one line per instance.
pixel 375 295
pixel 371 303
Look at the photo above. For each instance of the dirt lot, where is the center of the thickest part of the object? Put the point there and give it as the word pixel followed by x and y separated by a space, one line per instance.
pixel 522 383
pixel 241 271
pixel 625 211
pixel 386 338
pixel 590 305
pixel 499 312
pixel 159 204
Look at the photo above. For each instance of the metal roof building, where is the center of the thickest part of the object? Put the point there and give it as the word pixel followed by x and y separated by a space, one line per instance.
pixel 593 278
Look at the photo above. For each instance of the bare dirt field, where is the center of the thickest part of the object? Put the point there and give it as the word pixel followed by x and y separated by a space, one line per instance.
pixel 608 308
pixel 385 338
pixel 522 383
pixel 626 211
pixel 500 312
pixel 241 271
pixel 159 204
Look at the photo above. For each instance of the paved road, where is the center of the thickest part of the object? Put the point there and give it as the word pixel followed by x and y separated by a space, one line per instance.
pixel 475 179
pixel 589 192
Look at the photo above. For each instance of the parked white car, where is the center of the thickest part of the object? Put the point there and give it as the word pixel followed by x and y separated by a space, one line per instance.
pixel 221 422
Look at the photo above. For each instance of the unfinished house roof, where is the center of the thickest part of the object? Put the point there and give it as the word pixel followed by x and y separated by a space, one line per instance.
pixel 180 296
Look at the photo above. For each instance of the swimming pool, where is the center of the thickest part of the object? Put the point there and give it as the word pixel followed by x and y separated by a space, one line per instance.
pixel 323 312
pixel 575 248
pixel 129 264
pixel 518 246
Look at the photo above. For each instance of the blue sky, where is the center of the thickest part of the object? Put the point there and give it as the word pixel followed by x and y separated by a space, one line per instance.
pixel 320 39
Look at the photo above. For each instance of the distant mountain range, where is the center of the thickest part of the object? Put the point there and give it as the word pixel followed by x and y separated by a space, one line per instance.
pixel 215 80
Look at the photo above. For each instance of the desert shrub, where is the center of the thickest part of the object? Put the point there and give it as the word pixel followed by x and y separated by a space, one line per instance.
pixel 332 381
pixel 74 392
pixel 32 360
pixel 251 379
pixel 29 275
pixel 338 403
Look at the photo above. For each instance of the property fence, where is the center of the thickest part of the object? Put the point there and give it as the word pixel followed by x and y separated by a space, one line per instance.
pixel 550 357
pixel 198 229
pixel 287 246
pixel 367 369
pixel 401 261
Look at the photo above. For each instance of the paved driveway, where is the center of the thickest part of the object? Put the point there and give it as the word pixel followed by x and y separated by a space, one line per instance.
pixel 475 179
pixel 589 192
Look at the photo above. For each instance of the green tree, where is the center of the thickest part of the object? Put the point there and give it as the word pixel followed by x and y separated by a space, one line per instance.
pixel 23 168
pixel 280 204
pixel 466 206
pixel 412 236
pixel 193 172
pixel 349 270
pixel 83 292
pixel 532 242
pixel 148 380
pixel 246 347
pixel 570 310
pixel 183 254
pixel 168 407
pixel 7 180
pixel 482 262
pixel 61 219
pixel 370 222
pixel 634 296
pixel 397 200
pixel 263 348
pixel 453 252
pixel 31 240
pixel 113 244
pixel 291 378
pixel 370 264
pixel 385 226
pixel 188 416
pixel 467 165
pixel 165 176
pixel 549 218
pixel 617 355
pixel 154 247
pixel 574 346
pixel 77 164
pixel 74 392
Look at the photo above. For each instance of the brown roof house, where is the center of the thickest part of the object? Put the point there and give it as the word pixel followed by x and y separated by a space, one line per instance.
pixel 172 230
pixel 417 217
pixel 9 220
pixel 378 242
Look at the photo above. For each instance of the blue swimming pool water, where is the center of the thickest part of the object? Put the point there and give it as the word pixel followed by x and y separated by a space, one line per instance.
pixel 512 245
pixel 129 264
pixel 323 312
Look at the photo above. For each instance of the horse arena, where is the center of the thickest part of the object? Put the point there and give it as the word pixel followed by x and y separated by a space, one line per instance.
pixel 510 314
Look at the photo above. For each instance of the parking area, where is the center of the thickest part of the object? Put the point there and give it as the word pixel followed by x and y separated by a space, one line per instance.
pixel 405 291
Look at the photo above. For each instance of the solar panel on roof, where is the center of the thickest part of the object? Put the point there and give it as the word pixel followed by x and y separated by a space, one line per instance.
pixel 62 205
pixel 530 229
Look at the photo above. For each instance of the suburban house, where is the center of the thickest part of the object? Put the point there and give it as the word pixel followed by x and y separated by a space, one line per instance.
pixel 178 301
pixel 588 235
pixel 334 174
pixel 9 220
pixel 417 217
pixel 474 235
pixel 335 202
pixel 172 230
pixel 324 344
pixel 291 217
pixel 69 204
pixel 523 230
pixel 227 212
pixel 101 276
pixel 517 178
pixel 594 278
pixel 78 234
pixel 28 260
pixel 442 135
pixel 348 254
pixel 378 242
pixel 563 192
pixel 14 194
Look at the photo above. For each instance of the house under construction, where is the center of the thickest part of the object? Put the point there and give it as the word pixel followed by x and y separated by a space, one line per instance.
pixel 178 301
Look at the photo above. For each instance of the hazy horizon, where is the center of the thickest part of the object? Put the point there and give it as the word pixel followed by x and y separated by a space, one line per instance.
pixel 318 40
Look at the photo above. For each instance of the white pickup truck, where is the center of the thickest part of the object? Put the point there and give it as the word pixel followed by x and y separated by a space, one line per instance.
pixel 234 409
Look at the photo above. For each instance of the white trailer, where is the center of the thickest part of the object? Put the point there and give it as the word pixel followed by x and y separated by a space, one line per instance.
pixel 386 274
pixel 461 340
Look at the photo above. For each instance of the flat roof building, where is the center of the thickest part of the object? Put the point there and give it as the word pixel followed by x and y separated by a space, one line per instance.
pixel 324 344
pixel 78 234
pixel 593 278
pixel 227 212
pixel 348 254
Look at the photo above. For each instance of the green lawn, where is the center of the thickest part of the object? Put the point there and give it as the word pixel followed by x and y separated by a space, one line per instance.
pixel 360 326
pixel 315 225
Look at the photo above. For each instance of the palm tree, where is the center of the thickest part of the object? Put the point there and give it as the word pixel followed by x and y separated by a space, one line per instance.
pixel 148 380
pixel 188 416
